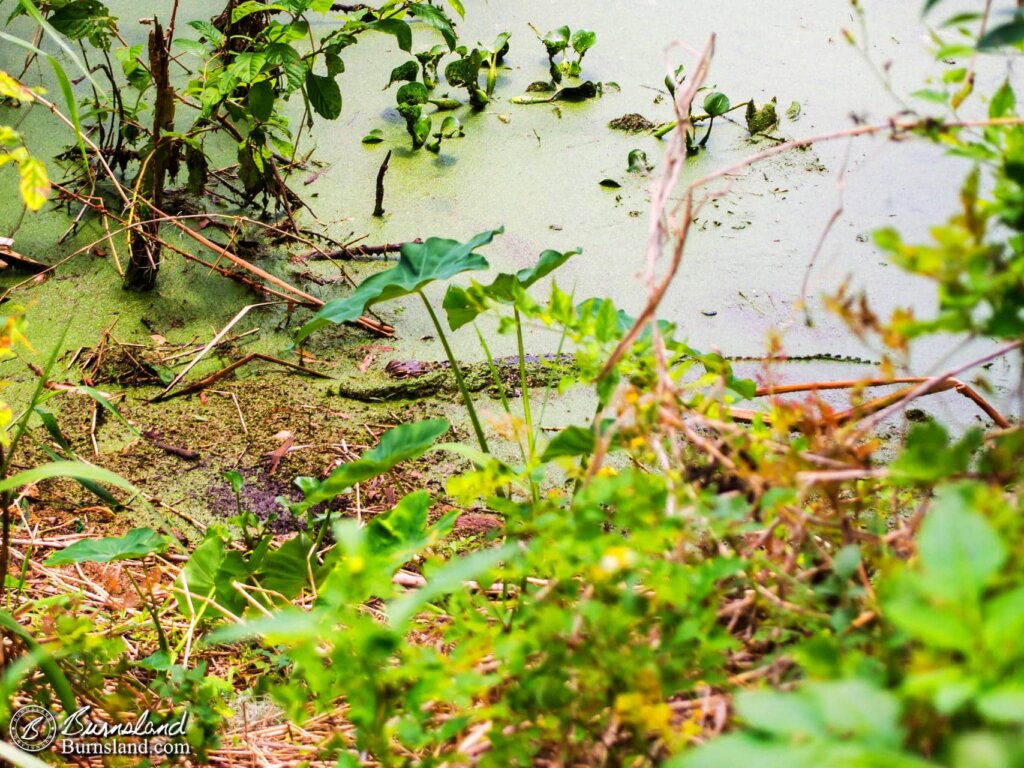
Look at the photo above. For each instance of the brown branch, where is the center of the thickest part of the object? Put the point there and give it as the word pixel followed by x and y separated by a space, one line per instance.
pixel 927 387
pixel 368 323
pixel 963 388
pixel 355 251
pixel 183 453
pixel 675 157
pixel 930 386
pixel 378 208
pixel 218 375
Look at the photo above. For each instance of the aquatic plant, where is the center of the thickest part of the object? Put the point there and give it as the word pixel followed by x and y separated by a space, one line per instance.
pixel 494 53
pixel 464 72
pixel 571 46
pixel 702 573
pixel 252 60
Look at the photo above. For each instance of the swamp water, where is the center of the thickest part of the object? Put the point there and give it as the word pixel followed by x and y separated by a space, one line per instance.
pixel 536 170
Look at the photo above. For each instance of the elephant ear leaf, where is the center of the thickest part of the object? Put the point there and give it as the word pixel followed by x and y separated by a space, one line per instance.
pixel 419 265
pixel 402 443
pixel 463 305
pixel 134 545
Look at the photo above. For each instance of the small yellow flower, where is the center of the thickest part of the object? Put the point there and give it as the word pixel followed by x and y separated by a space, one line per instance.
pixel 617 558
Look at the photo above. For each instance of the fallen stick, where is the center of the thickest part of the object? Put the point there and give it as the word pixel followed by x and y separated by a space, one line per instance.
pixel 182 453
pixel 927 387
pixel 15 260
pixel 882 404
pixel 355 251
pixel 212 343
pixel 378 208
pixel 218 375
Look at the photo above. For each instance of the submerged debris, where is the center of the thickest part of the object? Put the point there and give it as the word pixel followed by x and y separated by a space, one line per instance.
pixel 632 123
pixel 763 119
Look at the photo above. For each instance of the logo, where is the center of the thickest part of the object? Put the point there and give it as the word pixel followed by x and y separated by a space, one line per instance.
pixel 80 734
pixel 33 728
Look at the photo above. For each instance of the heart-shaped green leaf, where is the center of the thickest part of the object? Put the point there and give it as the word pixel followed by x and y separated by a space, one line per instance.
pixel 462 305
pixel 716 103
pixel 404 442
pixel 134 545
pixel 556 40
pixel 419 264
pixel 583 40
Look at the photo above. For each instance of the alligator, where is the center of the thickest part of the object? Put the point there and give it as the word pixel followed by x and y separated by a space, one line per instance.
pixel 418 379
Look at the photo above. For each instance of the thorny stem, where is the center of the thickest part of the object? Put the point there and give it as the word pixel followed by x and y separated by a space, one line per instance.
pixel 457 372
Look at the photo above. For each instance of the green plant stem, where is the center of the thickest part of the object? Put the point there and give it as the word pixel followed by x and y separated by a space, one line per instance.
pixel 523 384
pixel 704 141
pixel 666 128
pixel 320 533
pixel 162 638
pixel 46 662
pixel 457 371
pixel 492 74
pixel 496 378
pixel 5 462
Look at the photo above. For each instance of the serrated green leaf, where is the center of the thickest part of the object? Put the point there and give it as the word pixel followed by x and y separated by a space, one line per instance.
pixel 207 30
pixel 249 7
pixel 247 66
pixel 293 66
pixel 84 19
